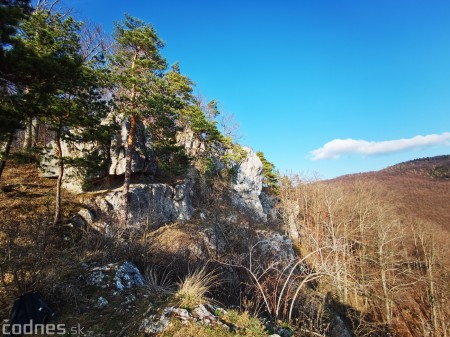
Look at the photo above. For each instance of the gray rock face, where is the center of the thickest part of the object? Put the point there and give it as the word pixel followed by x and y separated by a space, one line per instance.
pixel 292 210
pixel 143 158
pixel 275 247
pixel 191 143
pixel 157 204
pixel 152 204
pixel 249 175
pixel 183 200
pixel 269 204
pixel 73 180
pixel 48 167
pixel 247 185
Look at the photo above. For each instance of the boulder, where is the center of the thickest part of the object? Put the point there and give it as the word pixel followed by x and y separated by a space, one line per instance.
pixel 282 332
pixel 101 302
pixel 115 276
pixel 180 313
pixel 202 314
pixel 154 324
pixel 127 276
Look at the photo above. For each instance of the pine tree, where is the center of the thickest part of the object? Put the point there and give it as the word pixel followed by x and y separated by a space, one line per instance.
pixel 138 68
pixel 12 13
pixel 65 92
pixel 271 178
pixel 175 97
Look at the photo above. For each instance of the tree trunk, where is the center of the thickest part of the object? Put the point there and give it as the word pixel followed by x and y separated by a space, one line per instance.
pixel 429 260
pixel 28 137
pixel 433 301
pixel 362 260
pixel 129 151
pixel 5 153
pixel 34 132
pixel 386 297
pixel 345 272
pixel 59 180
pixel 31 134
pixel 128 160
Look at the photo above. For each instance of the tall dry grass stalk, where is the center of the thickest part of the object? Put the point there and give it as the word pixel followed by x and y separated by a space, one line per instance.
pixel 159 280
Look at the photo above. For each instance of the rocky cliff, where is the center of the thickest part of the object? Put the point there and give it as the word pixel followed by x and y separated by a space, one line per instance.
pixel 158 203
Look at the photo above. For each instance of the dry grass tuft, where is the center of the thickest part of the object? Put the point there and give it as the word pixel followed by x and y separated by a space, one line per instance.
pixel 193 290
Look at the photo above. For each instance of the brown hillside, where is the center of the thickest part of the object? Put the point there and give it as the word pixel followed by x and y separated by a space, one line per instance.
pixel 421 185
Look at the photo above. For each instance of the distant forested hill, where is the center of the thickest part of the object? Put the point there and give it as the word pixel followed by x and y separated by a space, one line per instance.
pixel 422 185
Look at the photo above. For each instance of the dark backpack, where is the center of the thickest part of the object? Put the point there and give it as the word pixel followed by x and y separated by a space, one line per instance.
pixel 29 307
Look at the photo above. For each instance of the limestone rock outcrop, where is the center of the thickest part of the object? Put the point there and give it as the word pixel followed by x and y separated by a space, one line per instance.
pixel 190 142
pixel 74 179
pixel 158 203
pixel 247 185
pixel 152 204
pixel 273 246
pixel 142 160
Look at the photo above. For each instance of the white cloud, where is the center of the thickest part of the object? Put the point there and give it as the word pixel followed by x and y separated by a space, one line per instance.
pixel 337 147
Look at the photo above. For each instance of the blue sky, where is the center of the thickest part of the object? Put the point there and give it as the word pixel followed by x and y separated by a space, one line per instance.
pixel 333 87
